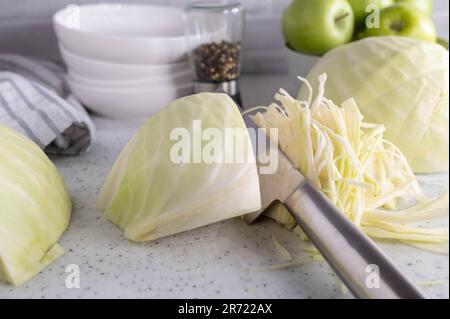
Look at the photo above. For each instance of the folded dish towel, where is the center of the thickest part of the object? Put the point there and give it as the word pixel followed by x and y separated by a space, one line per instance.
pixel 34 101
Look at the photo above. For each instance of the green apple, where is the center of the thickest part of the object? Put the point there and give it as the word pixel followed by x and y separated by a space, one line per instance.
pixel 442 42
pixel 317 26
pixel 405 20
pixel 425 6
pixel 360 9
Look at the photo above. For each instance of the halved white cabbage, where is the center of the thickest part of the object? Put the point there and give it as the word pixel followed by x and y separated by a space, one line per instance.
pixel 34 208
pixel 149 196
pixel 400 82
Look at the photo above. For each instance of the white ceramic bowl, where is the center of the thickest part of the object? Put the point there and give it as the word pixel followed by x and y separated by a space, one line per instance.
pixel 107 71
pixel 127 103
pixel 138 34
pixel 182 79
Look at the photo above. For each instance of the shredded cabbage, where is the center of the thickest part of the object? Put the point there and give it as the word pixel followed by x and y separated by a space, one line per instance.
pixel 349 160
pixel 282 251
pixel 295 262
pixel 430 283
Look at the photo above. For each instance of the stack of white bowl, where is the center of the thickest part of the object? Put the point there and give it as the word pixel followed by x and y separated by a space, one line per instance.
pixel 124 60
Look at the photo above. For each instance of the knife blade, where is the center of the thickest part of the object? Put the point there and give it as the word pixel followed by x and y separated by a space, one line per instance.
pixel 357 260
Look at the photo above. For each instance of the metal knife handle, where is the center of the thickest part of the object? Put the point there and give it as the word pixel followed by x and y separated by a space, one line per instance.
pixel 351 254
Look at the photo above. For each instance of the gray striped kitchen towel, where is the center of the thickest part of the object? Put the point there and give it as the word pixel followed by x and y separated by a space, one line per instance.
pixel 35 101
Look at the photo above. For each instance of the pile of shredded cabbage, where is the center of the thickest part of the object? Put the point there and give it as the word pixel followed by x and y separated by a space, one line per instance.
pixel 365 176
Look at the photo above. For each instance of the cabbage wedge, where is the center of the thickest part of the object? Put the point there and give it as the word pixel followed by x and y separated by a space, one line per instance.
pixel 400 82
pixel 34 208
pixel 149 195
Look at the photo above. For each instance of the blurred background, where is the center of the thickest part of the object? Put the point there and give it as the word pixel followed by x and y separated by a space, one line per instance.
pixel 25 27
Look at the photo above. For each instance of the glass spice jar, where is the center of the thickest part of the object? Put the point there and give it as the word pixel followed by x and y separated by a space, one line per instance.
pixel 214 32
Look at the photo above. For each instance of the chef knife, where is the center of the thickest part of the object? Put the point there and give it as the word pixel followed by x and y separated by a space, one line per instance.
pixel 360 264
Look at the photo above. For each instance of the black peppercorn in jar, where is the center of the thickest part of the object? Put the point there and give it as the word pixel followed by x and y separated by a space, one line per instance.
pixel 214 33
pixel 217 62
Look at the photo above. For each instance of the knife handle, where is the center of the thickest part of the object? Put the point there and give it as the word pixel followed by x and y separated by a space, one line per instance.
pixel 361 265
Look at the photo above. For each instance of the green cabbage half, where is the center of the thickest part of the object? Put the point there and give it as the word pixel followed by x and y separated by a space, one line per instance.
pixel 149 196
pixel 34 208
pixel 398 82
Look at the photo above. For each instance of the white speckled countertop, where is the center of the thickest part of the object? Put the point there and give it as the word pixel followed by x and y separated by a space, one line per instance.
pixel 213 261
